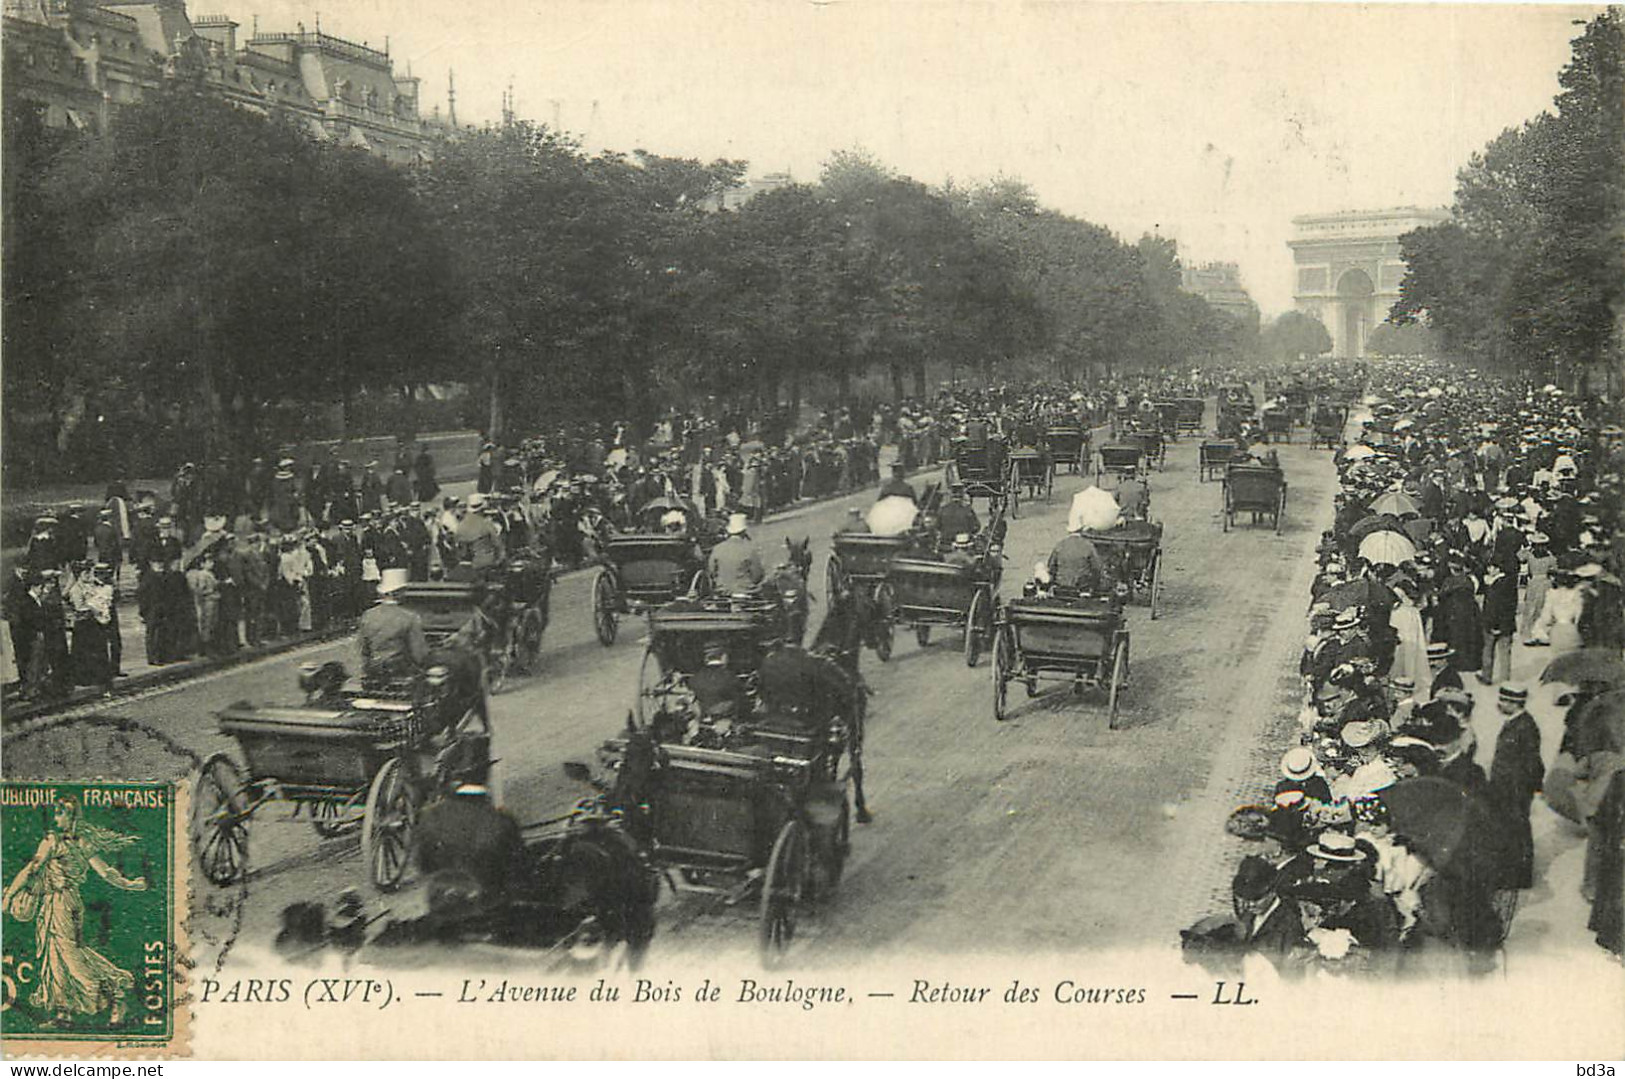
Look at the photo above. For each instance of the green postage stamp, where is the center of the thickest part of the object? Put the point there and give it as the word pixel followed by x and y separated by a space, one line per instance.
pixel 91 920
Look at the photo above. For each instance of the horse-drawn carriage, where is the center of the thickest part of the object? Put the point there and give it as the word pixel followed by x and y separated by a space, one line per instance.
pixel 509 613
pixel 1133 555
pixel 923 593
pixel 1327 427
pixel 1153 446
pixel 642 572
pixel 1119 458
pixel 1167 417
pixel 350 759
pixel 984 471
pixel 1068 445
pixel 1188 415
pixel 1297 404
pixel 680 637
pixel 859 561
pixel 1277 425
pixel 1213 457
pixel 1032 471
pixel 1259 489
pixel 1082 640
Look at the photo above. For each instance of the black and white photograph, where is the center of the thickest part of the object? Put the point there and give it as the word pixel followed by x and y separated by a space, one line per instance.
pixel 813 529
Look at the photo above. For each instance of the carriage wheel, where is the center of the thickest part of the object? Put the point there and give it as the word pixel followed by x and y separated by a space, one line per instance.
pixel 884 626
pixel 604 618
pixel 830 848
pixel 650 674
pixel 782 890
pixel 386 829
pixel 1015 500
pixel 832 580
pixel 1119 679
pixel 922 634
pixel 330 817
pixel 1049 485
pixel 976 620
pixel 528 640
pixel 1156 582
pixel 1280 508
pixel 1002 662
pixel 700 583
pixel 219 822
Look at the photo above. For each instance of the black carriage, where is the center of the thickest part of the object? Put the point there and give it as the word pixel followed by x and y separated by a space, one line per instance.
pixel 766 818
pixel 860 560
pixel 515 604
pixel 349 760
pixel 1327 426
pixel 1277 425
pixel 1133 555
pixel 1080 640
pixel 1153 446
pixel 1167 417
pixel 1068 446
pixel 1118 458
pixel 1297 405
pixel 1033 472
pixel 923 593
pixel 1188 415
pixel 681 634
pixel 984 471
pixel 642 572
pixel 1213 457
pixel 1256 489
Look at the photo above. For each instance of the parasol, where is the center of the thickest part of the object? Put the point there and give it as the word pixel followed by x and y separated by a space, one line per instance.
pixel 545 480
pixel 664 502
pixel 1397 503
pixel 616 458
pixel 1387 548
pixel 892 516
pixel 1419 529
pixel 1360 592
pixel 1359 453
pixel 1093 510
pixel 1455 832
pixel 1600 725
pixel 1379 522
pixel 1586 665
pixel 1405 424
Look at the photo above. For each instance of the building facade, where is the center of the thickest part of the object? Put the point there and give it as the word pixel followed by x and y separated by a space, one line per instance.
pixel 78 61
pixel 1348 269
pixel 1219 283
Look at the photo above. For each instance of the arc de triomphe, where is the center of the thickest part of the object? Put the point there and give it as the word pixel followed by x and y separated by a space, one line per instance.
pixel 1348 268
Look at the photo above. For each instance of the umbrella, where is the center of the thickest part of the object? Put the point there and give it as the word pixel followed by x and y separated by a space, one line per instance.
pixel 1093 510
pixel 663 502
pixel 545 480
pixel 1455 832
pixel 1397 503
pixel 616 458
pixel 1359 592
pixel 892 516
pixel 1600 724
pixel 1371 399
pixel 1359 453
pixel 1419 529
pixel 1405 424
pixel 1380 522
pixel 1585 665
pixel 1389 548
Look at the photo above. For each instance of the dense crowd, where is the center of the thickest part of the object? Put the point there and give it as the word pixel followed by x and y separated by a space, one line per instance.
pixel 1470 515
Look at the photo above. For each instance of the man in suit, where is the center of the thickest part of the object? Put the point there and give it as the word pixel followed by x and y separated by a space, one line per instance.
pixel 898 487
pixel 1516 774
pixel 736 566
pixel 393 644
pixel 1500 622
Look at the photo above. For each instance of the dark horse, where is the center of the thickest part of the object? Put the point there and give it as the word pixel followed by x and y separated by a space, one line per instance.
pixel 790 579
pixel 840 640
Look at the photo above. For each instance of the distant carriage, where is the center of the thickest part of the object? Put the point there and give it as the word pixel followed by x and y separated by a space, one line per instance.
pixel 1068 446
pixel 1117 458
pixel 1277 425
pixel 640 573
pixel 924 594
pixel 984 471
pixel 1189 414
pixel 1083 641
pixel 1213 457
pixel 1034 472
pixel 680 635
pixel 1153 446
pixel 1133 555
pixel 1256 489
pixel 1327 427
pixel 860 561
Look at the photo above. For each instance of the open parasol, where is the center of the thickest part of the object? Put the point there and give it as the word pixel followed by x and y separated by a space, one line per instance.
pixel 1397 503
pixel 1454 832
pixel 1377 522
pixel 1360 592
pixel 1586 665
pixel 1387 548
pixel 892 516
pixel 1359 453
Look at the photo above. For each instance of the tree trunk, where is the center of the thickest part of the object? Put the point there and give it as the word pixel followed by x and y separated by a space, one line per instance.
pixel 919 378
pixel 493 423
pixel 895 369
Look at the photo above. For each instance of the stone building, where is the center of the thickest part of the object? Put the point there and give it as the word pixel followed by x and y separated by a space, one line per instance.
pixel 1349 269
pixel 1219 283
pixel 78 61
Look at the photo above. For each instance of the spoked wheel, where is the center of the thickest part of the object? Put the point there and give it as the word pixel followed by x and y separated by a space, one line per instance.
pixel 976 623
pixel 528 641
pixel 1049 485
pixel 1280 509
pixel 219 822
pixel 885 601
pixel 1227 514
pixel 605 620
pixel 331 817
pixel 1003 660
pixel 1119 679
pixel 386 830
pixel 922 634
pixel 1015 500
pixel 783 888
pixel 1156 582
pixel 650 674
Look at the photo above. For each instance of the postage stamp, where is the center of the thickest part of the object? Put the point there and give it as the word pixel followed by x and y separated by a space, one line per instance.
pixel 92 904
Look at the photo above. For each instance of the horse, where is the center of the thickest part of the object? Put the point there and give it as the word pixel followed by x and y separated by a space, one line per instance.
pixel 839 641
pixel 789 581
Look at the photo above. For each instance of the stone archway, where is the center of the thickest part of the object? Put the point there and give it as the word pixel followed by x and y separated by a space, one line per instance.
pixel 1355 292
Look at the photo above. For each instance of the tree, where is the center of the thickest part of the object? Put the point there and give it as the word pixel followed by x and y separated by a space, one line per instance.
pixel 1294 335
pixel 1393 339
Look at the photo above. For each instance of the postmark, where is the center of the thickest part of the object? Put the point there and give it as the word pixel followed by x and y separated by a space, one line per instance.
pixel 93 898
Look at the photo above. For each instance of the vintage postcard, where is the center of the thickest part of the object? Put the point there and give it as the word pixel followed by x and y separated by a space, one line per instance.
pixel 741 528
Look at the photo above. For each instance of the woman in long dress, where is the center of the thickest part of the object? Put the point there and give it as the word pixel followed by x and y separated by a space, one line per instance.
pixel 73 979
pixel 1411 647
pixel 1539 563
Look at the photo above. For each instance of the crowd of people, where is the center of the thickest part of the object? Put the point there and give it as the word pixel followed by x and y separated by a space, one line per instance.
pixel 1470 515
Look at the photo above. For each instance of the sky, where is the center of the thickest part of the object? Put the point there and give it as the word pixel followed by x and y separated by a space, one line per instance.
pixel 1211 123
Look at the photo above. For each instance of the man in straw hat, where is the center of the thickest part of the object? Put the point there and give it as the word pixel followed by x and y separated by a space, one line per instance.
pixel 393 644
pixel 1516 773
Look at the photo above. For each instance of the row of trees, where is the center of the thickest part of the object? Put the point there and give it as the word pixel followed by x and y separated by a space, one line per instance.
pixel 1530 271
pixel 175 286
